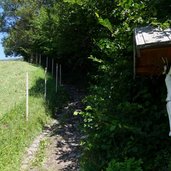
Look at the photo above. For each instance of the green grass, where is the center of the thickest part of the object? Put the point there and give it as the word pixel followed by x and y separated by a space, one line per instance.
pixel 40 154
pixel 15 132
pixel 12 82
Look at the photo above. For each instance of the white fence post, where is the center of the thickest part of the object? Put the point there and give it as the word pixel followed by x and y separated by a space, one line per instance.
pixel 27 95
pixel 45 83
pixel 56 78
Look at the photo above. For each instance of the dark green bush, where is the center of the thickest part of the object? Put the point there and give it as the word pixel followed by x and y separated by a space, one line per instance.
pixel 127 165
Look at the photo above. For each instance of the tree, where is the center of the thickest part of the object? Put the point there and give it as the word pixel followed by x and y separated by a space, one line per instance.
pixel 123 117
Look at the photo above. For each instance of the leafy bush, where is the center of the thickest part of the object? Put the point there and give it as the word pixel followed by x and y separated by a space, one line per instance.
pixel 127 165
pixel 124 119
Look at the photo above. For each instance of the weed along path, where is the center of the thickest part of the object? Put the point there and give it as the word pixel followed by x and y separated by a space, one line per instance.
pixel 57 148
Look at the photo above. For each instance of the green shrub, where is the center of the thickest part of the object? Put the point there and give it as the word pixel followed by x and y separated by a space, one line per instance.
pixel 127 165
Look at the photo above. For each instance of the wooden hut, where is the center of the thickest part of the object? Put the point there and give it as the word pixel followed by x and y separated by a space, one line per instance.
pixel 150 46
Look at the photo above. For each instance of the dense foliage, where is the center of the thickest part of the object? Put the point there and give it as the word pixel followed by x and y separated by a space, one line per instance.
pixel 125 121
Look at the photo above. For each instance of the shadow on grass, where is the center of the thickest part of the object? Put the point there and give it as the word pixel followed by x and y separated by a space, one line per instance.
pixel 66 131
pixel 54 101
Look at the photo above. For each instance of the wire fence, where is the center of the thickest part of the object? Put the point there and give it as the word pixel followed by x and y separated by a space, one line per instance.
pixel 16 86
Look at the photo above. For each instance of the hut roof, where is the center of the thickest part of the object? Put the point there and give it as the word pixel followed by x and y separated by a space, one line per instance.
pixel 149 37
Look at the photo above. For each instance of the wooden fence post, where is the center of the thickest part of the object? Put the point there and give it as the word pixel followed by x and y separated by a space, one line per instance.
pixel 45 83
pixel 60 75
pixel 47 63
pixel 27 95
pixel 40 59
pixel 52 65
pixel 56 78
pixel 31 58
pixel 36 58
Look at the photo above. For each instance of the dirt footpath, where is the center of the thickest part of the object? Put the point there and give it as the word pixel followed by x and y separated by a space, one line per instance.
pixel 62 150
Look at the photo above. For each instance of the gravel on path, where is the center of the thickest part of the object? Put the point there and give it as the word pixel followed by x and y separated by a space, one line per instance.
pixel 62 152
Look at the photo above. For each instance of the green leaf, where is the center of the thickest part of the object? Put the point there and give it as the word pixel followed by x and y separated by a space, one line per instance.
pixel 76 113
pixel 88 108
pixel 94 59
pixel 106 23
pixel 112 128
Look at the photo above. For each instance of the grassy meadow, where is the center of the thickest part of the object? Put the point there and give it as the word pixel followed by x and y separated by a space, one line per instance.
pixel 15 133
pixel 12 82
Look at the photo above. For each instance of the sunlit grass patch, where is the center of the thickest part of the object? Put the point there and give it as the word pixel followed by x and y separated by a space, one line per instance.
pixel 12 82
pixel 15 132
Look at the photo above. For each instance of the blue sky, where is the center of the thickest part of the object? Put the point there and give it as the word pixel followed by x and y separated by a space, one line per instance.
pixel 2 55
